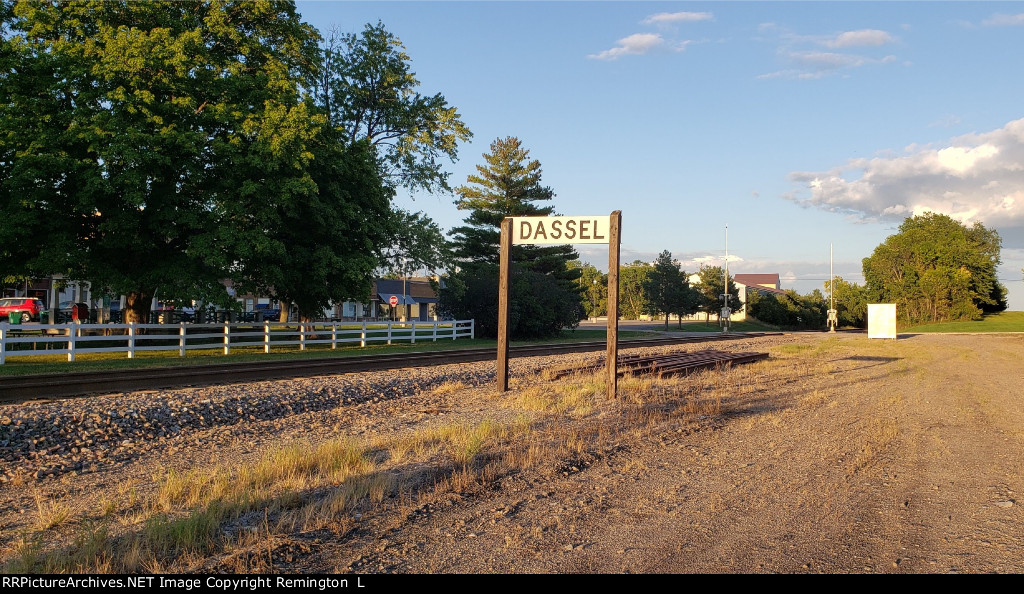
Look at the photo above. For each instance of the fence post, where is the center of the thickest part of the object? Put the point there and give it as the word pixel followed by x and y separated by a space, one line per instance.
pixel 435 330
pixel 362 337
pixel 472 328
pixel 389 332
pixel 334 336
pixel 455 329
pixel 3 341
pixel 413 333
pixel 266 336
pixel 72 333
pixel 227 338
pixel 131 340
pixel 181 340
pixel 302 336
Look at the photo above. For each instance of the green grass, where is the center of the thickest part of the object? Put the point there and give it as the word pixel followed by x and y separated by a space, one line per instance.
pixel 1007 321
pixel 747 326
pixel 58 364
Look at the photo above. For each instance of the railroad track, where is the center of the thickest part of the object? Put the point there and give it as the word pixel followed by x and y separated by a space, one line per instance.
pixel 52 386
pixel 663 365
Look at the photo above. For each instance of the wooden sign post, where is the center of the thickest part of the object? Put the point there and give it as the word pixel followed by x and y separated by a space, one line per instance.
pixel 505 258
pixel 612 356
pixel 554 231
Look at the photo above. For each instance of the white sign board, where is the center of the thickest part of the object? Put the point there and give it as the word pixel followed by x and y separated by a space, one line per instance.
pixel 560 230
pixel 882 320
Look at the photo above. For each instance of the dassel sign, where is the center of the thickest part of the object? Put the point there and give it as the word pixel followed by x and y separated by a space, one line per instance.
pixel 560 230
pixel 553 231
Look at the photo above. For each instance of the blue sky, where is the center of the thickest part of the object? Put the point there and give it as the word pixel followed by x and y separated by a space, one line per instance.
pixel 796 124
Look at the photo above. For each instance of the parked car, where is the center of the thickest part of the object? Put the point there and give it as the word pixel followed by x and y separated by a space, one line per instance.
pixel 28 307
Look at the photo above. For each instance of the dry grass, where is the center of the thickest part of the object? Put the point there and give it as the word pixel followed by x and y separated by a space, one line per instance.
pixel 51 514
pixel 238 512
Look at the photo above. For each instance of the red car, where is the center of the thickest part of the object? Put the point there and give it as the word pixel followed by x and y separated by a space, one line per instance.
pixel 29 307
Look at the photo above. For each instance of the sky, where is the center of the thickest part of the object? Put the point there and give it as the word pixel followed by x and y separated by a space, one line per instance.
pixel 796 125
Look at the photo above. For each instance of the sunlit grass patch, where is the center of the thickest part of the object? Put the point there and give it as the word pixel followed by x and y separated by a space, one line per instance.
pixel 50 513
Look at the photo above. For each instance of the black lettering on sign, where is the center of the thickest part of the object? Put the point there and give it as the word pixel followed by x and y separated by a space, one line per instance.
pixel 596 236
pixel 525 230
pixel 556 229
pixel 585 230
pixel 570 229
pixel 540 231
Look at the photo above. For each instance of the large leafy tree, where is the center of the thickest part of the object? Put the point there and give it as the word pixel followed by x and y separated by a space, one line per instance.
pixel 545 291
pixel 417 243
pixel 145 141
pixel 632 295
pixel 937 269
pixel 368 90
pixel 321 246
pixel 593 286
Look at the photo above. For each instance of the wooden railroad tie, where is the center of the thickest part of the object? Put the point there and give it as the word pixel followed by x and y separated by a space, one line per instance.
pixel 663 365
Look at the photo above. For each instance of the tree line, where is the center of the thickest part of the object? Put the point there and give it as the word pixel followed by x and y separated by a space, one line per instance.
pixel 934 268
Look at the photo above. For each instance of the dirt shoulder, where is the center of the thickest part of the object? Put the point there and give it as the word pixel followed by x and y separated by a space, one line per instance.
pixel 844 456
pixel 837 455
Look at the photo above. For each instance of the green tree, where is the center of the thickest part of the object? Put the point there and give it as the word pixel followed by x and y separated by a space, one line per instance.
pixel 593 286
pixel 543 283
pixel 851 303
pixel 666 288
pixel 368 90
pixel 937 269
pixel 144 140
pixel 711 289
pixel 789 309
pixel 632 296
pixel 323 246
pixel 417 243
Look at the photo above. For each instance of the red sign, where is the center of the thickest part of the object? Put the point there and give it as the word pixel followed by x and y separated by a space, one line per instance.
pixel 393 300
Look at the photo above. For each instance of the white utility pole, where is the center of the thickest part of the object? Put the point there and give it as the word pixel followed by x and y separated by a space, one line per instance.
pixel 726 313
pixel 833 317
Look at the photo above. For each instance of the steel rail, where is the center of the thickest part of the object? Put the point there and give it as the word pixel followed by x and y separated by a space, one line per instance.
pixel 67 385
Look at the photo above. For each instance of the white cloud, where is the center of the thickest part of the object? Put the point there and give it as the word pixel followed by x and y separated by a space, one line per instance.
pixel 826 60
pixel 813 64
pixel 861 38
pixel 677 17
pixel 805 59
pixel 1004 20
pixel 638 44
pixel 643 43
pixel 976 177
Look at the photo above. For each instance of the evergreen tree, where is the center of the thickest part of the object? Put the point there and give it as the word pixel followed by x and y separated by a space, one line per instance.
pixel 667 289
pixel 544 286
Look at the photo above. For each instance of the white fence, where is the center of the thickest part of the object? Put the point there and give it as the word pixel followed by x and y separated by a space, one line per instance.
pixel 22 340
